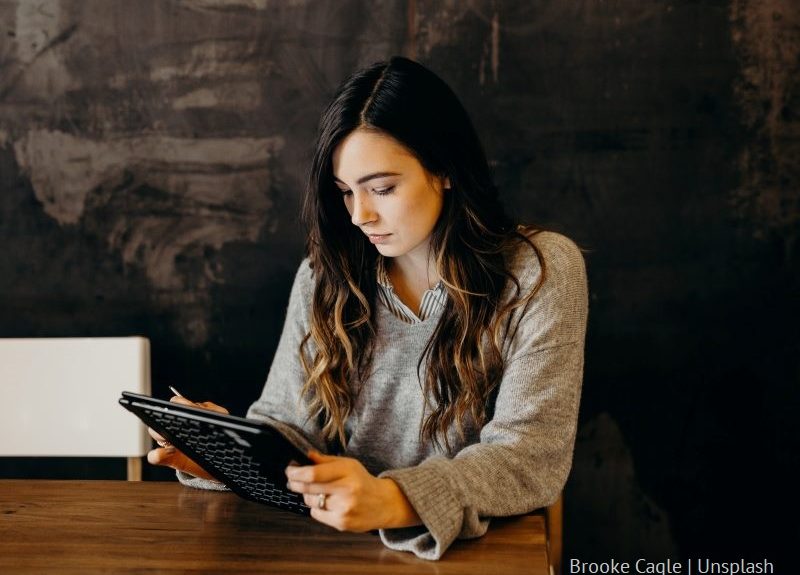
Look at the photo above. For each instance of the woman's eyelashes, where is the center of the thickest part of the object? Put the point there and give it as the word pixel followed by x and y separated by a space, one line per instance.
pixel 377 191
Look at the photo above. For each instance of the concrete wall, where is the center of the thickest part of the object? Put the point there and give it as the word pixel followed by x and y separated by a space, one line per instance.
pixel 152 160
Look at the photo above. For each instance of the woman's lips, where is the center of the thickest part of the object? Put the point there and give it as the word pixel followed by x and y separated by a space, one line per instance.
pixel 378 238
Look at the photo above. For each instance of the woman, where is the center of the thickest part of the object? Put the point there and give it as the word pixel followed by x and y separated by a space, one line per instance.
pixel 432 346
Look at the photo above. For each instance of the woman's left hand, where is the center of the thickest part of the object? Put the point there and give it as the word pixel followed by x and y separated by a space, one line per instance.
pixel 354 499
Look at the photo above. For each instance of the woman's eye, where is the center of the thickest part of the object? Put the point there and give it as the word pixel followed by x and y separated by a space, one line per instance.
pixel 346 192
pixel 383 191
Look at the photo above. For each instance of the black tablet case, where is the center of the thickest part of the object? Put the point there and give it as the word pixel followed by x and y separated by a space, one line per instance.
pixel 246 455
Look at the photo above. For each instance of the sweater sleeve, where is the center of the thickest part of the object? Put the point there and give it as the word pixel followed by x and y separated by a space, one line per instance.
pixel 280 402
pixel 524 453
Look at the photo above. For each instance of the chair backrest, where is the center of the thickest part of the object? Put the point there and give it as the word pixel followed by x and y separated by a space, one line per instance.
pixel 554 515
pixel 59 396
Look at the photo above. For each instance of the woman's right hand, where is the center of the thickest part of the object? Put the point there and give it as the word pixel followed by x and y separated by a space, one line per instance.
pixel 169 456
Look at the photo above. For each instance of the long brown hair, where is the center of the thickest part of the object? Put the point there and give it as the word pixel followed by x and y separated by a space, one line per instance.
pixel 471 243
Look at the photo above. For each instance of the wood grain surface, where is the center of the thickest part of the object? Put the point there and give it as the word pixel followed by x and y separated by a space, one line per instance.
pixel 164 527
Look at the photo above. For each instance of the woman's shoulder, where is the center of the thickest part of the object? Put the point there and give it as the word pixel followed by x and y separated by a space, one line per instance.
pixel 305 273
pixel 562 257
pixel 303 288
pixel 559 309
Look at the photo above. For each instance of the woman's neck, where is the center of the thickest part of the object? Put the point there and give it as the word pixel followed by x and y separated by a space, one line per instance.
pixel 413 271
pixel 411 277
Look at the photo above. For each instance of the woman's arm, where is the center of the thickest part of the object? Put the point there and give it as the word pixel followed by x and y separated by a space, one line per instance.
pixel 279 403
pixel 525 451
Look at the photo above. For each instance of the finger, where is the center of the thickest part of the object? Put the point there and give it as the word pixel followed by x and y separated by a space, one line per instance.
pixel 172 457
pixel 314 488
pixel 318 457
pixel 183 401
pixel 213 407
pixel 319 473
pixel 155 435
pixel 328 517
pixel 329 468
pixel 312 500
pixel 161 456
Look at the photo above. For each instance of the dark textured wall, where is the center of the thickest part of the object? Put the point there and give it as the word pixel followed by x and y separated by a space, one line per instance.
pixel 152 159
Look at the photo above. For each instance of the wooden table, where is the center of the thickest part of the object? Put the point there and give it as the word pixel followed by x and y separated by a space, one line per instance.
pixel 164 527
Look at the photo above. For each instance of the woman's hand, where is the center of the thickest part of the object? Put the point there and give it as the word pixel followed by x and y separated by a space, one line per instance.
pixel 355 500
pixel 168 455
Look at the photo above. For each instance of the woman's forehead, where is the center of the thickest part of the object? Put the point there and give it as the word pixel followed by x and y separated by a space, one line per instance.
pixel 370 151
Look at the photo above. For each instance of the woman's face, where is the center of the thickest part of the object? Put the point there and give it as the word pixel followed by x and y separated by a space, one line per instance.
pixel 388 194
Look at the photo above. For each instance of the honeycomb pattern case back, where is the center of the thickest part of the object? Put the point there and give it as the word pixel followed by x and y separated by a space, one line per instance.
pixel 247 456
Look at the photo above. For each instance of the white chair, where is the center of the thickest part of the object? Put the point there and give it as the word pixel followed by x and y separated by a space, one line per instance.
pixel 59 398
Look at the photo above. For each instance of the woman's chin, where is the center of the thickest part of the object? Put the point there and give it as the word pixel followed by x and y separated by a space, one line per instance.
pixel 388 251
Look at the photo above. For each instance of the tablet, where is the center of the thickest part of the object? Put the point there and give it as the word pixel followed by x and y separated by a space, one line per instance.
pixel 248 456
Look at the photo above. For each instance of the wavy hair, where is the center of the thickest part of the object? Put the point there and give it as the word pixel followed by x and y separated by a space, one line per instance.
pixel 470 243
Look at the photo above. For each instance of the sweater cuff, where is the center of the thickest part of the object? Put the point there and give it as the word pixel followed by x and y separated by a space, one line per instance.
pixel 433 499
pixel 199 482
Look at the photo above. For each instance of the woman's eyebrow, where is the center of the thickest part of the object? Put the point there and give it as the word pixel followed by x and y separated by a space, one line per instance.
pixel 369 177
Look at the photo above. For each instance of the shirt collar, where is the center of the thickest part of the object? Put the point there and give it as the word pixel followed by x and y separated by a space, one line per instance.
pixel 382 276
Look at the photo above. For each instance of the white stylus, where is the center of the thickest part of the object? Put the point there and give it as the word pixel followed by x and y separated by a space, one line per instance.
pixel 176 392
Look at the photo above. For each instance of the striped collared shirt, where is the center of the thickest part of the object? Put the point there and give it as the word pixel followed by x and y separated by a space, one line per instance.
pixel 433 299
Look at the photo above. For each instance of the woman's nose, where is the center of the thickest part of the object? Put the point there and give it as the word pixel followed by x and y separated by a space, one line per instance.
pixel 362 211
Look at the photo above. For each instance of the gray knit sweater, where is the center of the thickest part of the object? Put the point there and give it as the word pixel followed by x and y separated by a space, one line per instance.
pixel 517 462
